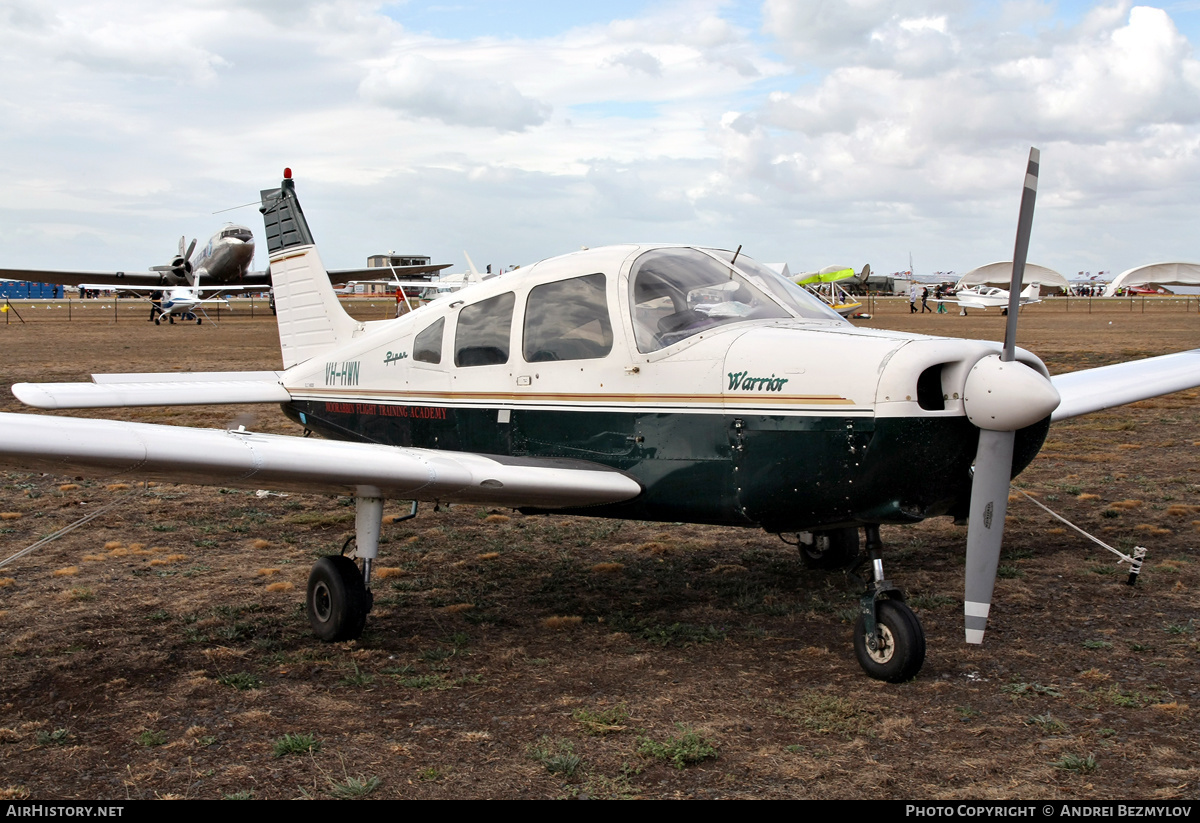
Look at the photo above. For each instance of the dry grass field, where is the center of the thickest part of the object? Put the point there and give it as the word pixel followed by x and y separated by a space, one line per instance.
pixel 161 650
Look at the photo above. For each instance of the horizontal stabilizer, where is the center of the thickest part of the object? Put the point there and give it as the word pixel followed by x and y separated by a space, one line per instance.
pixel 246 460
pixel 1102 388
pixel 156 389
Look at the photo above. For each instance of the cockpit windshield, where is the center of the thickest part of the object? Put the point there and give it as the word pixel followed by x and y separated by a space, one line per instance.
pixel 797 298
pixel 240 232
pixel 675 293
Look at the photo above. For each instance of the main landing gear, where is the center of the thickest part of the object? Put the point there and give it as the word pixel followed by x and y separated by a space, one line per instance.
pixel 888 639
pixel 339 591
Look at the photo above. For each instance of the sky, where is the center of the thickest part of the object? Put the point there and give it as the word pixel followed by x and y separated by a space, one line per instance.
pixel 811 133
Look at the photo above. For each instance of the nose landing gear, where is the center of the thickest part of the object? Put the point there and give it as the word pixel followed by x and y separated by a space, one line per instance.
pixel 888 639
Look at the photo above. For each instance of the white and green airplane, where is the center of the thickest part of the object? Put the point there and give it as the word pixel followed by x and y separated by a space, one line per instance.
pixel 668 383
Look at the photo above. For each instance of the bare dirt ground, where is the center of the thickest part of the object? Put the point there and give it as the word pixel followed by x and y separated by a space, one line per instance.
pixel 162 650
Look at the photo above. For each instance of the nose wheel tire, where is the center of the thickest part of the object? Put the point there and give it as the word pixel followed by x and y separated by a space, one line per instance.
pixel 901 648
pixel 338 600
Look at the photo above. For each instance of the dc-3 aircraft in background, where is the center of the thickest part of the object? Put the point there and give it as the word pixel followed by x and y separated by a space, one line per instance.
pixel 590 384
pixel 225 260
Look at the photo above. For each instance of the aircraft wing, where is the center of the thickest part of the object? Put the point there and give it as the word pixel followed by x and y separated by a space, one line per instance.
pixel 102 279
pixel 156 389
pixel 1102 388
pixel 129 279
pixel 242 459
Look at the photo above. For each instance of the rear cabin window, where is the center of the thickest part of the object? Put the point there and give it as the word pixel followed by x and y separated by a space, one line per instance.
pixel 427 348
pixel 568 320
pixel 483 332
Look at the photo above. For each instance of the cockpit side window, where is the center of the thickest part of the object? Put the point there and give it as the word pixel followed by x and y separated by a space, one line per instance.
pixel 676 293
pixel 427 347
pixel 483 332
pixel 568 320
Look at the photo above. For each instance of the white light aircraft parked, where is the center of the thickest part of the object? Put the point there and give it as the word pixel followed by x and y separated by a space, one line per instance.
pixel 591 384
pixel 993 297
pixel 180 301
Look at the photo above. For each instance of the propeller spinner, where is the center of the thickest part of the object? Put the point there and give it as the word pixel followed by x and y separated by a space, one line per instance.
pixel 1001 396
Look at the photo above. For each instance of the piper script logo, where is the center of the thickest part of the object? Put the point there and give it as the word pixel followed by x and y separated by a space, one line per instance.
pixel 343 373
pixel 741 381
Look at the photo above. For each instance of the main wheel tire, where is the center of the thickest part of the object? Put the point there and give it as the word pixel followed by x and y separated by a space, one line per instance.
pixel 338 601
pixel 834 549
pixel 902 650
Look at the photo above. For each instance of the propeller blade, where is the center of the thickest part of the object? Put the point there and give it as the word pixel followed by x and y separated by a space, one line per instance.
pixel 1002 390
pixel 191 248
pixel 985 530
pixel 475 276
pixel 1021 252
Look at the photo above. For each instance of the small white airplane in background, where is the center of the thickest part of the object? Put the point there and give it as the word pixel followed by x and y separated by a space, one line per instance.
pixel 592 384
pixel 181 301
pixel 993 297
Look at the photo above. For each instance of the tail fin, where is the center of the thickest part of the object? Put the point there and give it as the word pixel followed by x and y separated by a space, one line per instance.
pixel 311 320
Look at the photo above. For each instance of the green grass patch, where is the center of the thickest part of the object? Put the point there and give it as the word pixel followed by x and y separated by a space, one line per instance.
pixel 58 737
pixel 1075 763
pixel 603 721
pixel 1046 723
pixel 150 738
pixel 558 756
pixel 688 748
pixel 1029 689
pixel 358 678
pixel 674 634
pixel 354 788
pixel 242 681
pixel 825 713
pixel 928 601
pixel 296 744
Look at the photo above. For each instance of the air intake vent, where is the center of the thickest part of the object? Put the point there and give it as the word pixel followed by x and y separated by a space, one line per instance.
pixel 929 389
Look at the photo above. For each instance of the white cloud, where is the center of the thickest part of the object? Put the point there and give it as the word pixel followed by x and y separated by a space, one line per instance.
pixel 424 88
pixel 638 60
pixel 835 130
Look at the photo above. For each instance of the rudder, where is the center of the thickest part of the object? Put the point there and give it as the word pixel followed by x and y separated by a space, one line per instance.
pixel 310 316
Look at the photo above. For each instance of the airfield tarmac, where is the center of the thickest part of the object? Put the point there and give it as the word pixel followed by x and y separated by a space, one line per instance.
pixel 161 650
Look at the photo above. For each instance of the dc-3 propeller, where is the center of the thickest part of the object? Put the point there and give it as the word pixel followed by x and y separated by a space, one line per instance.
pixel 181 266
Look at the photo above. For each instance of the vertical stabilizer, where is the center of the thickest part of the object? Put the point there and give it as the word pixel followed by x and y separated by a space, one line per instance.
pixel 311 319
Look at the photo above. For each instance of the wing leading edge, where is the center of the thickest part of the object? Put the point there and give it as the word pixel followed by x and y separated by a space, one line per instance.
pixel 1102 388
pixel 156 389
pixel 241 459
